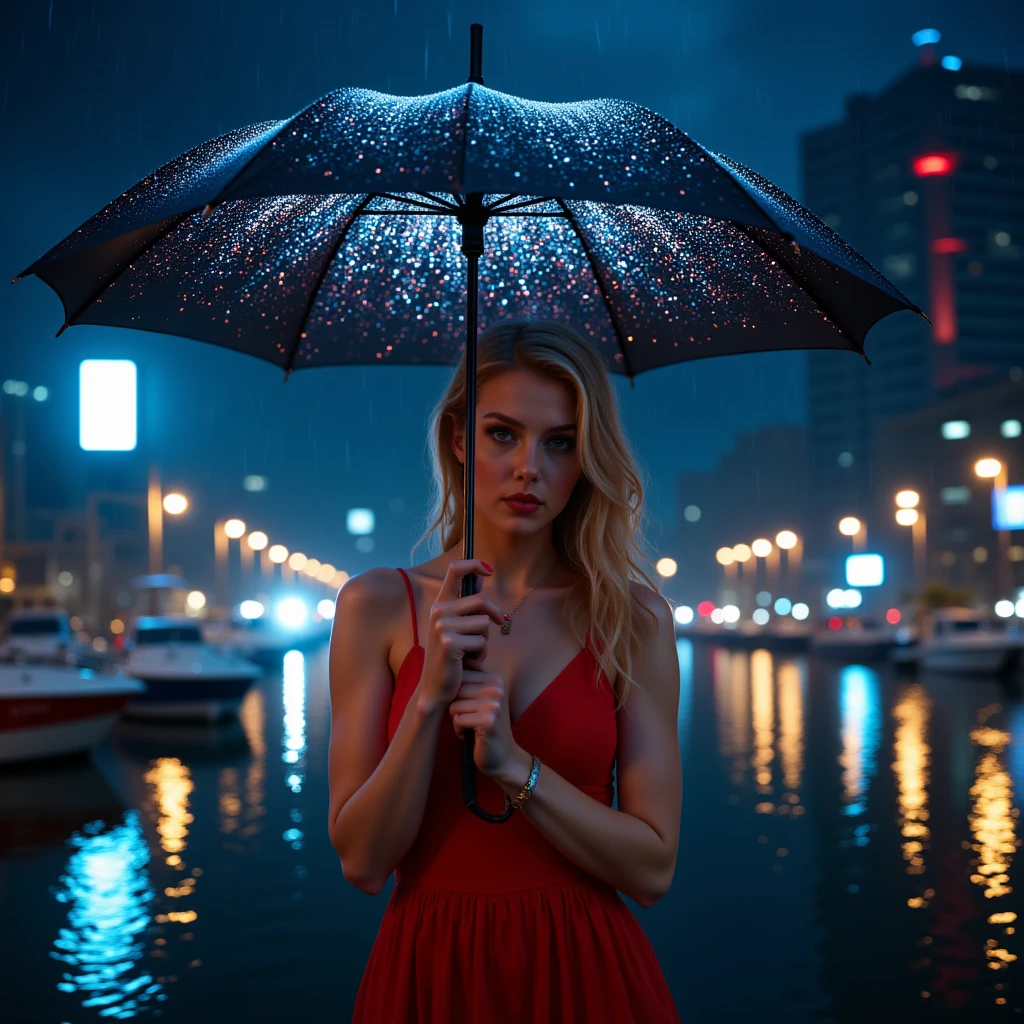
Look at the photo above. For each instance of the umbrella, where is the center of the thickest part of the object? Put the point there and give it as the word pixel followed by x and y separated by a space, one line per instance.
pixel 330 238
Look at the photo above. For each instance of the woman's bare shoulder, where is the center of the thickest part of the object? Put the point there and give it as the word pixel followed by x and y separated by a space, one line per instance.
pixel 372 602
pixel 653 602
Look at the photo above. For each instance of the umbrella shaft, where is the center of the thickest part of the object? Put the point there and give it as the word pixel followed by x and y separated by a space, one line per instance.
pixel 472 273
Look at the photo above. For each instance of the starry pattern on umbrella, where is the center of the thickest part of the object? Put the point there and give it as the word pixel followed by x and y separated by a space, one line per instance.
pixel 333 238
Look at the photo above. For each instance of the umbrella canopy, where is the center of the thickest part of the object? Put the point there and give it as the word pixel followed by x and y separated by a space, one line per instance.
pixel 285 240
pixel 330 238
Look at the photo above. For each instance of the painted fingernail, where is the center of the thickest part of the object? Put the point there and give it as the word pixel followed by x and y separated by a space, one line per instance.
pixel 486 566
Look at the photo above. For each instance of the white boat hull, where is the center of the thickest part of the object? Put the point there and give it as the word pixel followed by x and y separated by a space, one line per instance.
pixel 969 660
pixel 54 740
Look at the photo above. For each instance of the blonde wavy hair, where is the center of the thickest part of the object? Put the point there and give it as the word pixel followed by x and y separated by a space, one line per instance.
pixel 600 532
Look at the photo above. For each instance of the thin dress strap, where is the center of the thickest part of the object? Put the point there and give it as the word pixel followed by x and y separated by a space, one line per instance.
pixel 412 608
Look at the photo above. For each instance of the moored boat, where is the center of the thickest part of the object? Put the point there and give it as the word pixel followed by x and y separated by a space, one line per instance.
pixel 964 640
pixel 51 710
pixel 185 676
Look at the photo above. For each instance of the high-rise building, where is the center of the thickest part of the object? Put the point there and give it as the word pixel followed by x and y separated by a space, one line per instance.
pixel 926 180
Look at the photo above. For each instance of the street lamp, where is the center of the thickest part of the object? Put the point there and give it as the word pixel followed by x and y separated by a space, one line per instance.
pixel 223 534
pixel 909 514
pixel 666 567
pixel 994 470
pixel 851 526
pixel 789 542
pixel 175 504
pixel 157 503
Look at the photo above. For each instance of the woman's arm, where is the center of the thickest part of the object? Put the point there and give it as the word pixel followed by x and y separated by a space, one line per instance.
pixel 377 791
pixel 633 848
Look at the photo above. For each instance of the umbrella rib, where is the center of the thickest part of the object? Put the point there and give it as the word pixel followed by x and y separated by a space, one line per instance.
pixel 176 222
pixel 438 199
pixel 809 291
pixel 600 284
pixel 435 208
pixel 497 202
pixel 315 290
pixel 517 206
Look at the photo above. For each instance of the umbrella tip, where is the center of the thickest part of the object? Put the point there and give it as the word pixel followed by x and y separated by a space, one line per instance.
pixel 64 327
pixel 476 53
pixel 864 356
pixel 287 374
pixel 16 279
pixel 923 315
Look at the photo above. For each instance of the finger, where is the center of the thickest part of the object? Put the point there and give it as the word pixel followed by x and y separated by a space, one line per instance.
pixel 478 720
pixel 486 700
pixel 464 624
pixel 456 645
pixel 458 568
pixel 478 677
pixel 476 602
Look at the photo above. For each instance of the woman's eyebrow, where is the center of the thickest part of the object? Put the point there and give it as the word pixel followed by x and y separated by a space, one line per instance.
pixel 516 423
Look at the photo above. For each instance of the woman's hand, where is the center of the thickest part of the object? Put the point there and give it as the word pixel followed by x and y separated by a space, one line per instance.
pixel 482 705
pixel 458 628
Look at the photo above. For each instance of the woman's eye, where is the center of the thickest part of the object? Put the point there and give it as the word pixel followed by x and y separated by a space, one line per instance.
pixel 561 444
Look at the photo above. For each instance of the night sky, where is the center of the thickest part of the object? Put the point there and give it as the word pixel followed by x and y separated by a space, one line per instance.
pixel 96 94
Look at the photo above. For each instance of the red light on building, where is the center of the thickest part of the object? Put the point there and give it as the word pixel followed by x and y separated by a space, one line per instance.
pixel 892 616
pixel 835 622
pixel 947 246
pixel 933 165
pixel 705 608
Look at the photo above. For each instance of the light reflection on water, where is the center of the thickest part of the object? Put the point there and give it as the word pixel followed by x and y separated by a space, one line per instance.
pixel 105 886
pixel 839 825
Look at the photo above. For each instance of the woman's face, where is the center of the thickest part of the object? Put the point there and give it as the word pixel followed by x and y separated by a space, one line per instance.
pixel 525 444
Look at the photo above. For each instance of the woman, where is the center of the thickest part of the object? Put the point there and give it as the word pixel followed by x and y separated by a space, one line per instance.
pixel 563 665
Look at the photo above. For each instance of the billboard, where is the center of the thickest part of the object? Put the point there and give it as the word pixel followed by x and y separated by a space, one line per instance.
pixel 1008 508
pixel 107 412
pixel 865 570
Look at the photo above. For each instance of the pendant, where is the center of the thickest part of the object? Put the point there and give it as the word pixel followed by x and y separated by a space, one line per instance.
pixel 506 626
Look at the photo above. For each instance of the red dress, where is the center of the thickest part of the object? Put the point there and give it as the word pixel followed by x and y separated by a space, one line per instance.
pixel 490 923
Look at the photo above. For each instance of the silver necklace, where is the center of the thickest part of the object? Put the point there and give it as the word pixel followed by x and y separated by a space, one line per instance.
pixel 506 623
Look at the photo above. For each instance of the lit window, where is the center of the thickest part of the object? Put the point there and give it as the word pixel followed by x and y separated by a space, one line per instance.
pixel 956 430
pixel 1010 428
pixel 975 92
pixel 900 265
pixel 955 495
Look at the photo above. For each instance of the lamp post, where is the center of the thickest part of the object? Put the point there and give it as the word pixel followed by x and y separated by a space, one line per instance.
pixel 257 541
pixel 791 543
pixel 762 548
pixel 851 526
pixel 909 514
pixel 174 504
pixel 994 470
pixel 223 534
